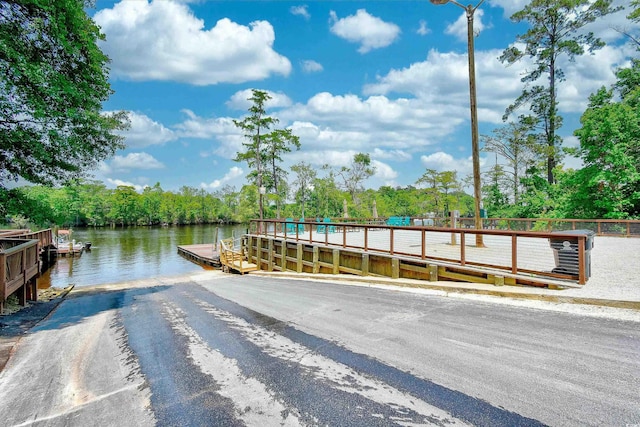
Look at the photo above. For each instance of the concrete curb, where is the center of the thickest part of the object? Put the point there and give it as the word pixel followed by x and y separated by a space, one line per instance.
pixel 454 288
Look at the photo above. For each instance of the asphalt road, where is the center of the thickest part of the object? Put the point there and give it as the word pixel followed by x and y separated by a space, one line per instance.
pixel 228 350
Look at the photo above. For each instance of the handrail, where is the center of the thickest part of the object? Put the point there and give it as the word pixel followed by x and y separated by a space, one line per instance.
pixel 601 226
pixel 44 237
pixel 516 252
pixel 234 259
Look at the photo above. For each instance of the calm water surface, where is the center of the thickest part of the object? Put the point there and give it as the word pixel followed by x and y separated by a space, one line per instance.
pixel 122 254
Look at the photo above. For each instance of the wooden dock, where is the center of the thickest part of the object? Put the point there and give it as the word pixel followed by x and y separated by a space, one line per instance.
pixel 203 254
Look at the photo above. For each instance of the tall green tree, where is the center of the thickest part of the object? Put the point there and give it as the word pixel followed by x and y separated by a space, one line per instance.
pixel 556 29
pixel 449 186
pixel 354 175
pixel 634 16
pixel 431 179
pixel 264 146
pixel 278 142
pixel 326 199
pixel 442 190
pixel 254 127
pixel 53 81
pixel 230 199
pixel 93 199
pixel 305 176
pixel 495 200
pixel 515 144
pixel 124 206
pixel 150 203
pixel 608 186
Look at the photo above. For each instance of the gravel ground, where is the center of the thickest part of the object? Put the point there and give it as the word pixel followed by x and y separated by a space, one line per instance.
pixel 615 270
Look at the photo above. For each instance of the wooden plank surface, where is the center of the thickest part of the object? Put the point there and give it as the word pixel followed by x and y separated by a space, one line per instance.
pixel 206 253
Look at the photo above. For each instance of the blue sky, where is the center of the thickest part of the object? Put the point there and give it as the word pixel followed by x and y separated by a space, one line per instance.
pixel 388 78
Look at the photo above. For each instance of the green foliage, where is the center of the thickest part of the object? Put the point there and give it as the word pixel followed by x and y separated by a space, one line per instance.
pixel 515 144
pixel 264 148
pixel 635 11
pixel 53 81
pixel 356 173
pixel 92 204
pixel 608 185
pixel 326 198
pixel 555 30
pixel 305 175
pixel 443 193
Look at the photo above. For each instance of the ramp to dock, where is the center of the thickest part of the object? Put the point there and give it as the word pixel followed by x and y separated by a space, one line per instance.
pixel 233 258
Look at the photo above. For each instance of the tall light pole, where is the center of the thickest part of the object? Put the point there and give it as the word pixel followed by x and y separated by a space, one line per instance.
pixel 475 148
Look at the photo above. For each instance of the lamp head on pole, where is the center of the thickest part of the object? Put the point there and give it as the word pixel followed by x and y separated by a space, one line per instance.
pixel 438 2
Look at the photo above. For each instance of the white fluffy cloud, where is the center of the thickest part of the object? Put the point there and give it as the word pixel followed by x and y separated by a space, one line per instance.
pixel 423 30
pixel 459 30
pixel 240 100
pixel 443 79
pixel 441 161
pixel 203 128
pixel 388 129
pixel 310 66
pixel 163 40
pixel 144 132
pixel 300 11
pixel 385 172
pixel 351 113
pixel 369 31
pixel 233 173
pixel 133 161
pixel 396 155
pixel 118 182
pixel 510 6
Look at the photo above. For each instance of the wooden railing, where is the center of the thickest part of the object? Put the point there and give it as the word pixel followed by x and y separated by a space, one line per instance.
pixel 44 237
pixel 19 267
pixel 233 258
pixel 602 227
pixel 563 256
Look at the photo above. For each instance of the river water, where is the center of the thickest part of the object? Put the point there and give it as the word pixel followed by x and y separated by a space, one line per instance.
pixel 133 253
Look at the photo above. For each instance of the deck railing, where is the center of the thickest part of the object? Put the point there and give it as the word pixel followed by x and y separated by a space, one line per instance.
pixel 44 237
pixel 19 267
pixel 602 227
pixel 561 256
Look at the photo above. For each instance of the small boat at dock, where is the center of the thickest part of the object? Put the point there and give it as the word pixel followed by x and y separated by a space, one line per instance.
pixel 65 246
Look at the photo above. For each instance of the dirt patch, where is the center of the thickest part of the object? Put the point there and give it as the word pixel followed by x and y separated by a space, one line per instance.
pixel 12 306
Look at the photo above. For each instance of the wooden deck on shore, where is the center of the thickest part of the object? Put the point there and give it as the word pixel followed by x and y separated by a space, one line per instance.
pixel 202 254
